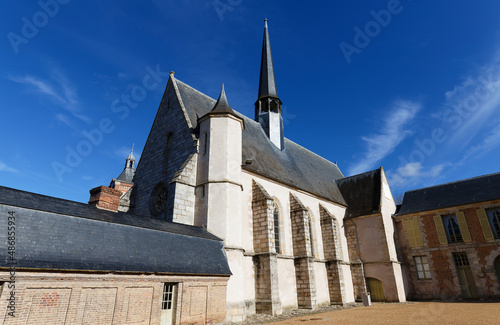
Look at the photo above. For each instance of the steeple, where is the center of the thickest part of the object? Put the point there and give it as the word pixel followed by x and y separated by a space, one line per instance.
pixel 268 105
pixel 267 83
pixel 129 171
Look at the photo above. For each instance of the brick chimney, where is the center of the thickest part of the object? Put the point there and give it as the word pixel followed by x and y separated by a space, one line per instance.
pixel 105 198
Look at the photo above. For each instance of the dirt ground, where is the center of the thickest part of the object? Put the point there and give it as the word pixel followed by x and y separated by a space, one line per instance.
pixel 407 313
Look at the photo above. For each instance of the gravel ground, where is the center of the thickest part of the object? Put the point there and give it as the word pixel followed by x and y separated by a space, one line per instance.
pixel 391 313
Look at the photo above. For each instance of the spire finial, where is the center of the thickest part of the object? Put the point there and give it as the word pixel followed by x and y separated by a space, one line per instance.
pixel 132 148
pixel 222 106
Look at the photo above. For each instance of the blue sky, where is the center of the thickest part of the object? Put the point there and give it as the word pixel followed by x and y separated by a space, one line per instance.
pixel 413 86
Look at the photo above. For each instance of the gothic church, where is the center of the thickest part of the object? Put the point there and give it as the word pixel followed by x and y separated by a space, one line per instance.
pixel 222 218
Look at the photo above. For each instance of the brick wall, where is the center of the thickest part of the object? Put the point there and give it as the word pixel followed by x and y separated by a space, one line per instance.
pixel 77 298
pixel 444 283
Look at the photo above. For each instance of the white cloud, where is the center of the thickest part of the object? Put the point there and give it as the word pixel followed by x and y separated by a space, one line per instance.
pixel 473 103
pixel 59 90
pixel 489 142
pixel 392 132
pixel 5 168
pixel 414 173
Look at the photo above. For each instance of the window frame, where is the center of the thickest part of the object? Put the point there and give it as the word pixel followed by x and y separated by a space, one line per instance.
pixel 455 236
pixel 276 222
pixel 493 215
pixel 419 261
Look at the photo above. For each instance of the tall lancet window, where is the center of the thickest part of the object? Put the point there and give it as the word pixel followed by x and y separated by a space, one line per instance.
pixel 309 222
pixel 276 216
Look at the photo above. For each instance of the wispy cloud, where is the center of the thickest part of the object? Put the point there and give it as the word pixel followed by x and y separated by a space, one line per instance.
pixel 414 173
pixel 5 168
pixel 489 142
pixel 58 89
pixel 393 132
pixel 474 102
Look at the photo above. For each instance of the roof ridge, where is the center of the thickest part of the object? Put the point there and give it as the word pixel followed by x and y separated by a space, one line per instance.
pixel 356 175
pixel 453 182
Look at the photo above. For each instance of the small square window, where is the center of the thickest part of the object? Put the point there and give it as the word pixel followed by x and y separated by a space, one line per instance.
pixel 452 229
pixel 423 271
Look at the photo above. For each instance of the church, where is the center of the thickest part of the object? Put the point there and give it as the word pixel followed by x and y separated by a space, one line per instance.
pixel 223 217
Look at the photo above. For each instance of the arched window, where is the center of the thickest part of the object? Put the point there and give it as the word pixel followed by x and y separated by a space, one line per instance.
pixel 309 222
pixel 170 139
pixel 157 200
pixel 276 217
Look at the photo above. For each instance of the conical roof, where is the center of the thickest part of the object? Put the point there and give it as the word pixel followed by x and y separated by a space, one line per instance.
pixel 267 83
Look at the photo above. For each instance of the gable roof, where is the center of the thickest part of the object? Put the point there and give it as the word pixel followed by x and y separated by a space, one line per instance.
pixel 362 193
pixel 66 235
pixel 466 191
pixel 294 166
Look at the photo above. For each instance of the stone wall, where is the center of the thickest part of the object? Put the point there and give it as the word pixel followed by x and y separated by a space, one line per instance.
pixel 266 265
pixel 304 261
pixel 170 147
pixel 79 298
pixel 333 255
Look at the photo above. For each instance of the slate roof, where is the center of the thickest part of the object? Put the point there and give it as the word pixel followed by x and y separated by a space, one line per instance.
pixel 127 175
pixel 222 106
pixel 294 166
pixel 59 234
pixel 362 193
pixel 467 191
pixel 267 82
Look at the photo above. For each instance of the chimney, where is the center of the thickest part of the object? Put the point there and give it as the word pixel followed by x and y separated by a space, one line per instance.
pixel 105 198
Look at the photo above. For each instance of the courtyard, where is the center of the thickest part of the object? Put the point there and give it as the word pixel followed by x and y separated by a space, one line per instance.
pixel 397 313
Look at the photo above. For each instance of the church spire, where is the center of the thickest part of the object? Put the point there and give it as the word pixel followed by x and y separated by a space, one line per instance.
pixel 267 83
pixel 268 105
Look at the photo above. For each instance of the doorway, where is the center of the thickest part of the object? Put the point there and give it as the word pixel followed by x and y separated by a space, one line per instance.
pixel 497 269
pixel 168 304
pixel 464 273
pixel 376 289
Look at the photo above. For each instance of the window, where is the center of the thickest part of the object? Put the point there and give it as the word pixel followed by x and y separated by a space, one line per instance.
pixel 494 219
pixel 422 266
pixel 276 216
pixel 461 259
pixel 309 222
pixel 452 228
pixel 158 199
pixel 168 297
pixel 168 304
pixel 205 143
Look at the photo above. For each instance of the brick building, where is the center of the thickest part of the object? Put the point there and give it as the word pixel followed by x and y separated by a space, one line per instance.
pixel 79 264
pixel 449 238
